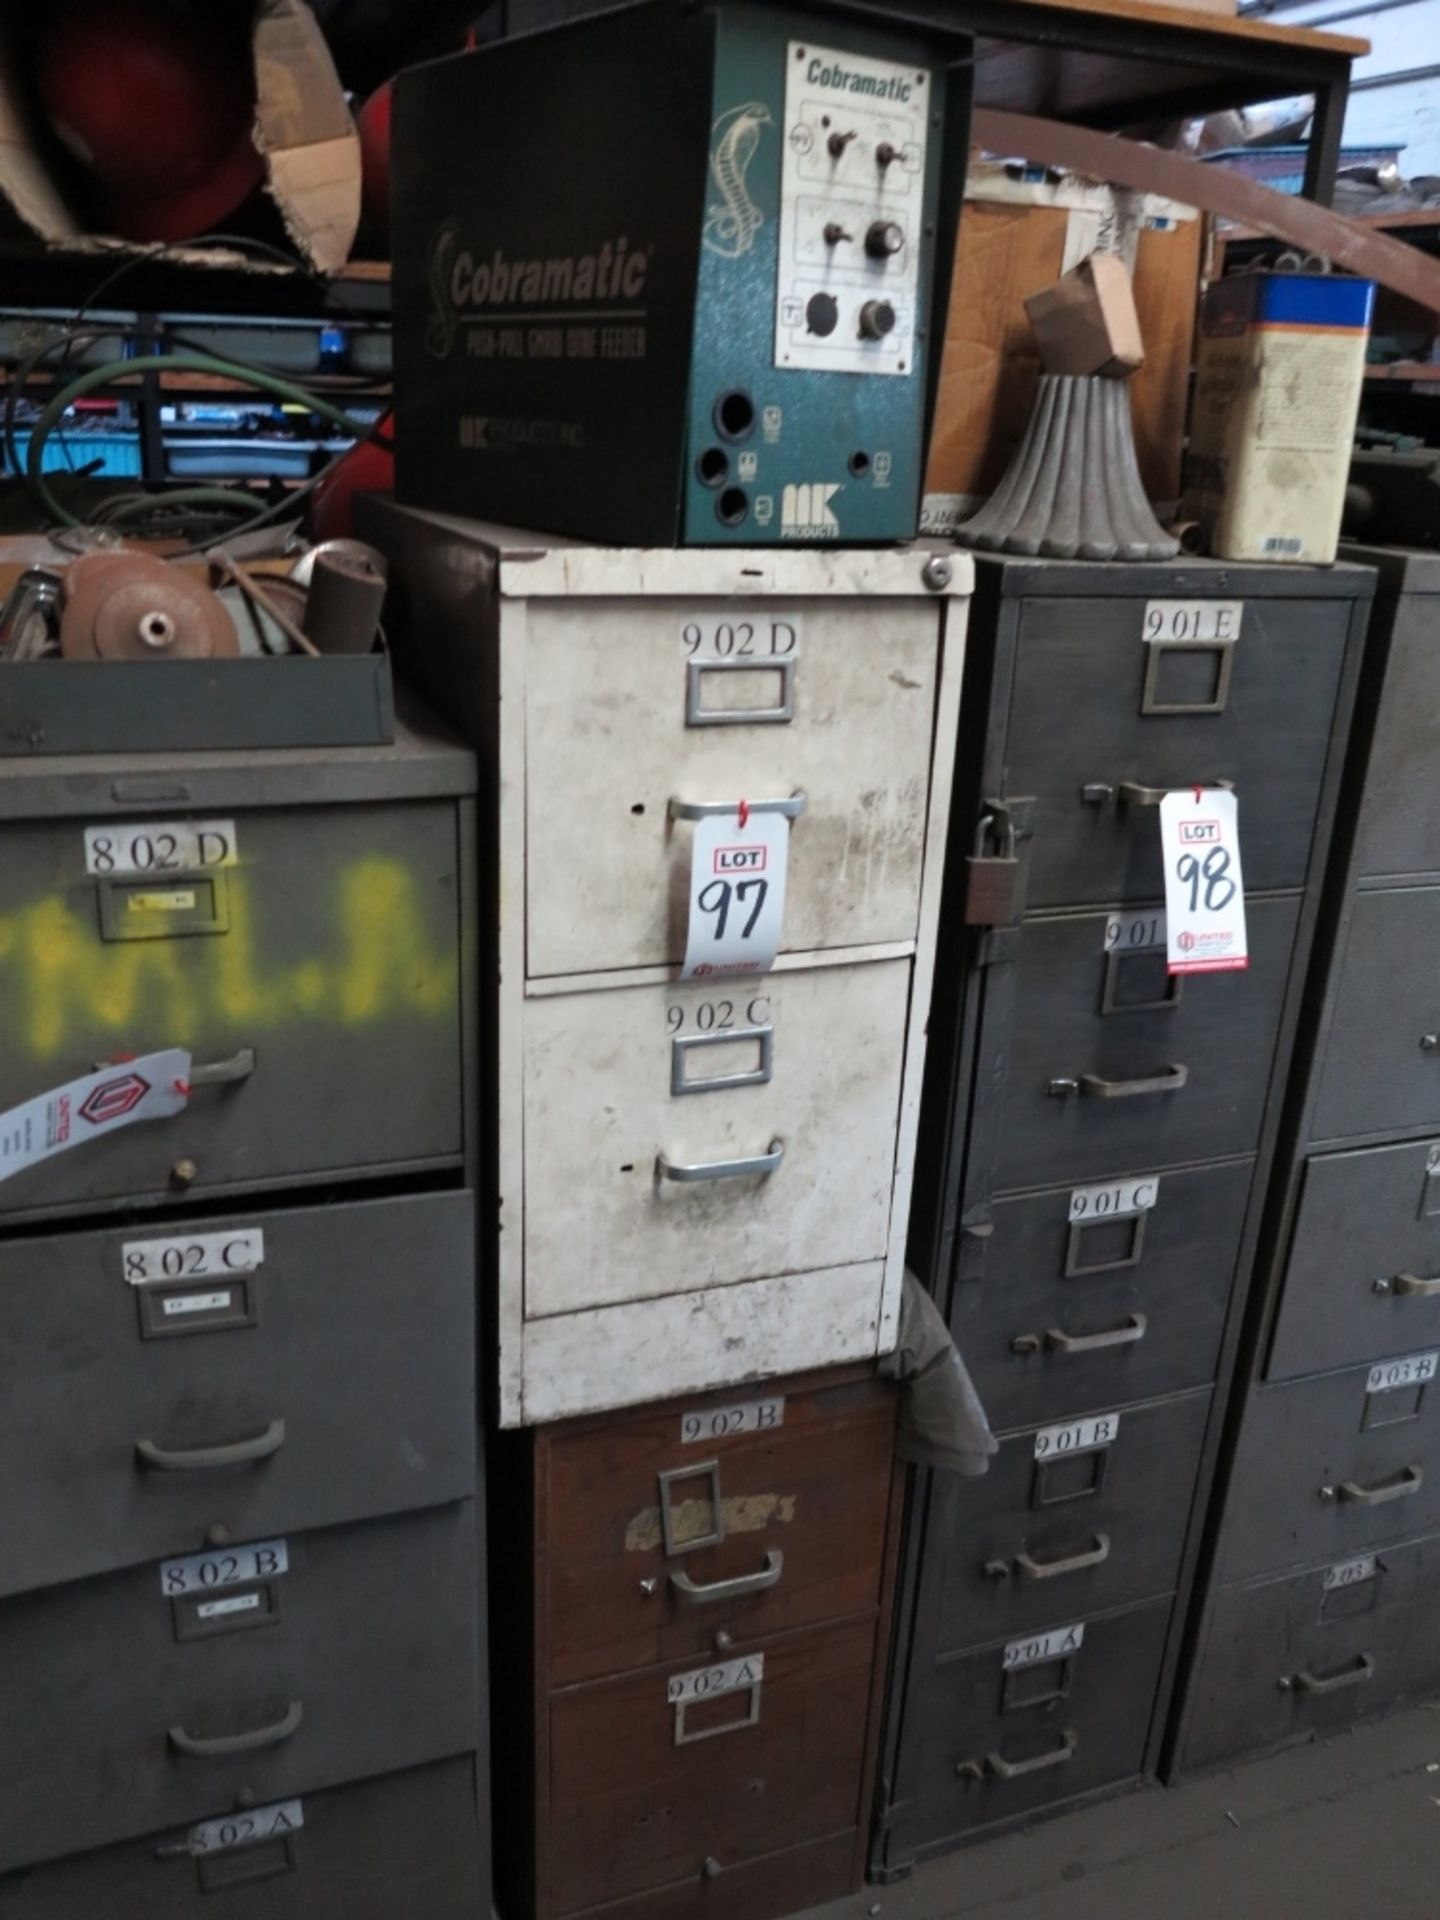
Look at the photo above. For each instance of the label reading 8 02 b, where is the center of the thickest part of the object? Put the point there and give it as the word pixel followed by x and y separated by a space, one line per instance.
pixel 1116 1200
pixel 1080 1436
pixel 1043 1646
pixel 244 1829
pixel 235 1566
pixel 760 637
pixel 1412 1371
pixel 1349 1573
pixel 718 1423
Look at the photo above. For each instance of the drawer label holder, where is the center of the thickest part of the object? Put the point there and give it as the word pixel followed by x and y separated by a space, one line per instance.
pixel 224 1567
pixel 1350 1573
pixel 1413 1371
pixel 1053 1645
pixel 728 1678
pixel 1077 1436
pixel 1115 1201
pixel 247 1829
pixel 721 1423
pixel 154 1086
pixel 193 1256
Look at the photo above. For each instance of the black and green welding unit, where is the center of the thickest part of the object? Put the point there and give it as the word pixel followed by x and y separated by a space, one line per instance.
pixel 665 273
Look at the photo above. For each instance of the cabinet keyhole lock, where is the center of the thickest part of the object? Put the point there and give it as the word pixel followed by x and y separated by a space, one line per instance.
pixel 1380 1286
pixel 648 1587
pixel 1327 1493
pixel 1026 1343
pixel 996 1569
pixel 724 1641
pixel 969 1770
pixel 1429 1042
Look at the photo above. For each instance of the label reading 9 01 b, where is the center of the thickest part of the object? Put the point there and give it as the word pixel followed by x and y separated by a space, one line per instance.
pixel 719 1423
pixel 1079 1436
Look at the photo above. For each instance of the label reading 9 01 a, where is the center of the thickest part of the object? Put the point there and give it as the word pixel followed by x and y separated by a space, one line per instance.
pixel 245 1829
pixel 719 1423
pixel 232 1567
pixel 160 846
pixel 1412 1371
pixel 1113 1202
pixel 1079 1436
pixel 763 638
pixel 1043 1646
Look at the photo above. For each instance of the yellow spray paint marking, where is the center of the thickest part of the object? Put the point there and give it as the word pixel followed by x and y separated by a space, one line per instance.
pixel 695 1519
pixel 59 980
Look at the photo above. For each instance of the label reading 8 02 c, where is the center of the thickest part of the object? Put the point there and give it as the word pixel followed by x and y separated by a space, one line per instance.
pixel 1412 1371
pixel 244 1829
pixel 718 1423
pixel 160 846
pixel 195 1256
pixel 234 1567
pixel 1044 1646
pixel 704 1683
pixel 736 636
pixel 1194 620
pixel 1349 1573
pixel 1116 1200
pixel 1080 1436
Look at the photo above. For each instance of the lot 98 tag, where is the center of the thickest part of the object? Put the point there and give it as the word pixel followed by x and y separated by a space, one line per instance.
pixel 737 893
pixel 1204 886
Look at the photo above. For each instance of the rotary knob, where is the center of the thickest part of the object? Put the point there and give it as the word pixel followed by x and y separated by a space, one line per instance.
pixel 877 318
pixel 885 239
pixel 822 314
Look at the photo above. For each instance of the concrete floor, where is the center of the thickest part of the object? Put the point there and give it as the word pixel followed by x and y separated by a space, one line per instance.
pixel 1340 1831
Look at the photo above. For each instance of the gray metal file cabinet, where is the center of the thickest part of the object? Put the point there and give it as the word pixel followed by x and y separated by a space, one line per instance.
pixel 1090 1135
pixel 1323 1571
pixel 241 1596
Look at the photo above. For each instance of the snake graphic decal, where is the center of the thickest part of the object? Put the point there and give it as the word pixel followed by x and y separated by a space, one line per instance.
pixel 732 222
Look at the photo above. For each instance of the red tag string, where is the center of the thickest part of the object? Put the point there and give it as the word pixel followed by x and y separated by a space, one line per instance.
pixel 1198 792
pixel 744 815
pixel 182 1087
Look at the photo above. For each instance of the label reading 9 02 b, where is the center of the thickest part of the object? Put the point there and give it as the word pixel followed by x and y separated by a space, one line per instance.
pixel 719 1423
pixel 1079 1436
pixel 1412 1371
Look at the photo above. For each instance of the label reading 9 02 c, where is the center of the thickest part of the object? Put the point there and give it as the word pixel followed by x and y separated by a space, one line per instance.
pixel 705 1683
pixel 734 636
pixel 1121 1197
pixel 244 1829
pixel 1043 1646
pixel 160 846
pixel 234 1567
pixel 1080 1436
pixel 195 1256
pixel 1412 1371
pixel 1349 1573
pixel 718 1423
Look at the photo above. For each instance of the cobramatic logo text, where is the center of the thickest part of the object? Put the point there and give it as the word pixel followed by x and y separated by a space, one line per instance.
pixel 891 86
pixel 466 284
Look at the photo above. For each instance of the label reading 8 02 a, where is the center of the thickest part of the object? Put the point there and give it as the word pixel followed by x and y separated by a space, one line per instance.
pixel 244 1829
pixel 1113 1202
pixel 760 637
pixel 705 1683
pixel 718 1423
pixel 1079 1436
pixel 1412 1371
pixel 1043 1646
pixel 234 1567
pixel 160 846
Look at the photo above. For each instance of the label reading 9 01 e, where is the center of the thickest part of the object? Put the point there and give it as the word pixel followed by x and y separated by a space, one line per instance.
pixel 1134 931
pixel 234 1567
pixel 718 1423
pixel 244 1829
pixel 734 636
pixel 1043 1646
pixel 1080 1436
pixel 1194 620
pixel 1121 1197
pixel 193 1256
pixel 1412 1371
pixel 160 846
pixel 704 1683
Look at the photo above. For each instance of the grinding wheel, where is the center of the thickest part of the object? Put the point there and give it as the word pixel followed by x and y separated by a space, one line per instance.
pixel 130 606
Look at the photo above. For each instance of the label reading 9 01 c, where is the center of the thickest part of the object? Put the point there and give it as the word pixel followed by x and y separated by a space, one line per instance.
pixel 1121 1197
pixel 719 1423
pixel 734 636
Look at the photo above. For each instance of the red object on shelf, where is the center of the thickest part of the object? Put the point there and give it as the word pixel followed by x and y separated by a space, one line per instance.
pixel 373 125
pixel 156 98
pixel 365 469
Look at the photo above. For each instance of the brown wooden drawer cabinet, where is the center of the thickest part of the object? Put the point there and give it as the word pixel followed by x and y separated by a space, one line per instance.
pixel 705 1625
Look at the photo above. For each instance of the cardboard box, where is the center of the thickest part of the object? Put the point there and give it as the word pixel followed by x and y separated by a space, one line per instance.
pixel 302 127
pixel 1017 236
pixel 1086 322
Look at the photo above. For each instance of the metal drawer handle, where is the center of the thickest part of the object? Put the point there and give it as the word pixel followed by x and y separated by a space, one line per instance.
pixel 765 1163
pixel 1126 1336
pixel 1130 793
pixel 711 809
pixel 224 1073
pixel 1169 1080
pixel 1072 1563
pixel 1414 1286
pixel 705 1593
pixel 1353 1676
pixel 1404 1483
pixel 235 1453
pixel 217 1747
pixel 1004 1769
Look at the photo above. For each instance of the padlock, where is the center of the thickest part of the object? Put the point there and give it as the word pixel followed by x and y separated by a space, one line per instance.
pixel 993 879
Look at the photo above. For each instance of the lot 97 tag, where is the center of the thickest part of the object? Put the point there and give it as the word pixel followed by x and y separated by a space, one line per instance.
pixel 737 893
pixel 1204 886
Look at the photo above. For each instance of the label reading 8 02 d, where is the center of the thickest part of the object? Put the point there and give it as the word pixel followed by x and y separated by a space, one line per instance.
pixel 1412 1371
pixel 160 846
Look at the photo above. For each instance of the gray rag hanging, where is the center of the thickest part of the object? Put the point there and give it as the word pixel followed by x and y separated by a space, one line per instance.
pixel 942 1423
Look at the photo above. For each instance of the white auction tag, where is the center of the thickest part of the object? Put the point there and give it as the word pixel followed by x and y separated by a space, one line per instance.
pixel 244 1829
pixel 1134 931
pixel 718 1423
pixel 160 846
pixel 737 893
pixel 193 1256
pixel 1043 1646
pixel 234 1567
pixel 1215 621
pixel 1121 1197
pixel 760 638
pixel 1349 1573
pixel 1412 1371
pixel 1204 886
pixel 152 1087
pixel 1080 1436
pixel 705 1683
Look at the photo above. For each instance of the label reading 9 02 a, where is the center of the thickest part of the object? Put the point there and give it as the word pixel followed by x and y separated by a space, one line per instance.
pixel 705 1683
pixel 1113 1202
pixel 245 1829
pixel 718 1423
pixel 160 846
pixel 1412 1371
pixel 234 1567
pixel 1043 1646
pixel 1079 1436
pixel 760 637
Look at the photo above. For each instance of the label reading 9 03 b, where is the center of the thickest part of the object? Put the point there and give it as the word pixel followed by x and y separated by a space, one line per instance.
pixel 1079 1436
pixel 718 1423
pixel 1412 1371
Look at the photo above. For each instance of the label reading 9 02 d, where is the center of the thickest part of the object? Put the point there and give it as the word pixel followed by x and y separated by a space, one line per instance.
pixel 732 636
pixel 718 1423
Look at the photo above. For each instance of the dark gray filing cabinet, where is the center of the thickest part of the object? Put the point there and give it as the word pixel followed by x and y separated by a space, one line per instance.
pixel 1316 1605
pixel 242 1627
pixel 1038 1623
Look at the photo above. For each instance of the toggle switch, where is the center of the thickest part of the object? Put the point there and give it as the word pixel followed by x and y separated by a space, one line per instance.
pixel 835 233
pixel 886 155
pixel 838 142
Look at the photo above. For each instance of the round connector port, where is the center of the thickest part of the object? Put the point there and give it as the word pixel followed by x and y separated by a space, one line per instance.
pixel 713 467
pixel 735 415
pixel 732 506
pixel 860 464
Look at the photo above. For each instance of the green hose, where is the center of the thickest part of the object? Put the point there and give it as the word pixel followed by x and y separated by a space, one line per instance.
pixel 113 370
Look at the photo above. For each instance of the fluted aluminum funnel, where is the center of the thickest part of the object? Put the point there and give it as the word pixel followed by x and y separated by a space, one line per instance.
pixel 1073 489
